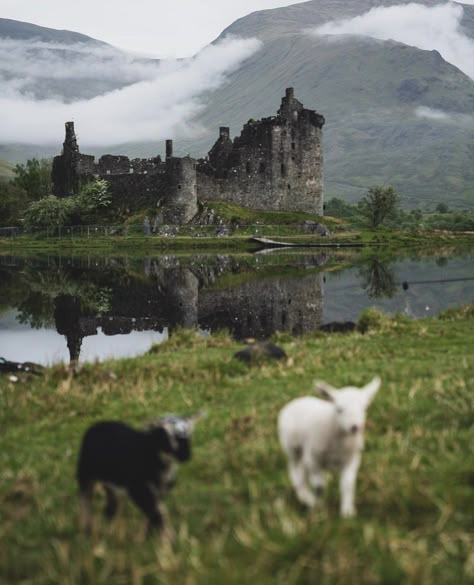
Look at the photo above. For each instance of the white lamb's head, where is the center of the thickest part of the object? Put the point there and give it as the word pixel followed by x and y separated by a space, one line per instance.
pixel 350 404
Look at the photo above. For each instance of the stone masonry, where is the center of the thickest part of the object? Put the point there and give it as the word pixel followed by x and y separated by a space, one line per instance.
pixel 275 164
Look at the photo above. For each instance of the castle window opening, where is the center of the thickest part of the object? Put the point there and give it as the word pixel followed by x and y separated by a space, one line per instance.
pixel 293 146
pixel 248 167
pixel 283 170
pixel 289 187
pixel 261 168
pixel 179 186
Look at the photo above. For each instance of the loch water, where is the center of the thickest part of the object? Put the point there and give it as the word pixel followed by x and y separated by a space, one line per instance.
pixel 57 308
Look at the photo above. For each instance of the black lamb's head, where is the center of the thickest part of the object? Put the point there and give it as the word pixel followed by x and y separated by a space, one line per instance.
pixel 178 434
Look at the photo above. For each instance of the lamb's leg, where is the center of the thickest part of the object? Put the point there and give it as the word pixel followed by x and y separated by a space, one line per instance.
pixel 347 483
pixel 85 507
pixel 145 500
pixel 317 481
pixel 167 532
pixel 297 474
pixel 111 505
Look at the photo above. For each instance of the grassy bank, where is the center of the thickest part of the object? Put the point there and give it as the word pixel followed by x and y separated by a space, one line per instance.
pixel 386 238
pixel 236 518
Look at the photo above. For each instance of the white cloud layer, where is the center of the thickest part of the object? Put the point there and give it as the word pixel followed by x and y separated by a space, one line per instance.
pixel 413 24
pixel 448 117
pixel 34 60
pixel 156 107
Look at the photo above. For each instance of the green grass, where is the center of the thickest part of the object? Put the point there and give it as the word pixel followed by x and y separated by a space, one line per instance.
pixel 236 518
pixel 247 216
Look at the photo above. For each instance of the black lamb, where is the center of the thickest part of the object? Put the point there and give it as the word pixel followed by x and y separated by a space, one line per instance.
pixel 143 462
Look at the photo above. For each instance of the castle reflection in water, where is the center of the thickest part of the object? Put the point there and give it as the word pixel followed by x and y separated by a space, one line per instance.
pixel 249 295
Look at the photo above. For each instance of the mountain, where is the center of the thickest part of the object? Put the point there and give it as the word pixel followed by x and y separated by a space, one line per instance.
pixel 67 64
pixel 15 29
pixel 395 114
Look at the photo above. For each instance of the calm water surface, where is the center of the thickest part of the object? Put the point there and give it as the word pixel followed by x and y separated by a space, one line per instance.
pixel 58 308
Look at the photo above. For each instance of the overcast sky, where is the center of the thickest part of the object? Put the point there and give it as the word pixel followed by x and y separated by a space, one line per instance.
pixel 157 27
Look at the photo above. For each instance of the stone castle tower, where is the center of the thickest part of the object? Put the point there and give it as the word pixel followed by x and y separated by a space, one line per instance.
pixel 275 164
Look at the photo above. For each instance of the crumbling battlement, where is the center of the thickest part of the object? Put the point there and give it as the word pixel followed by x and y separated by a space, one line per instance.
pixel 275 164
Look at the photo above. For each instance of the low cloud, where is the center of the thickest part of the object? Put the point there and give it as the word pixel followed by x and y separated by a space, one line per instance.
pixel 160 102
pixel 32 61
pixel 431 113
pixel 428 28
pixel 441 116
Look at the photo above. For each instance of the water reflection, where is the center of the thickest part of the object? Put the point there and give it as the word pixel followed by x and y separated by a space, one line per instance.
pixel 252 296
pixel 378 278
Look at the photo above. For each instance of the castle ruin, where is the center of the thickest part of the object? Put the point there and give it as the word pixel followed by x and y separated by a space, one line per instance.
pixel 275 164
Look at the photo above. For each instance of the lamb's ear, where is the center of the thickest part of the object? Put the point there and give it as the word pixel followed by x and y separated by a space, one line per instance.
pixel 372 388
pixel 194 418
pixel 324 389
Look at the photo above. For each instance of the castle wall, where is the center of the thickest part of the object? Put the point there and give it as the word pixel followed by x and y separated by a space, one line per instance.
pixel 275 164
pixel 133 191
pixel 181 190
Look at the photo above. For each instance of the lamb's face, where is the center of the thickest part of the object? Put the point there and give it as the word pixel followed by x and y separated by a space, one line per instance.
pixel 350 407
pixel 350 404
pixel 179 431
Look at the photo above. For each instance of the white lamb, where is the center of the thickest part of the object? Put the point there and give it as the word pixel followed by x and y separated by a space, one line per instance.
pixel 322 435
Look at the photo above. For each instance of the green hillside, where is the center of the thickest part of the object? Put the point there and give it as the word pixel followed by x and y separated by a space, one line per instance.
pixel 6 170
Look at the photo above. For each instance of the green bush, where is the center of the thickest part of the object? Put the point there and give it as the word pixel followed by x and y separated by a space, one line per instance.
pixel 49 211
pixel 92 199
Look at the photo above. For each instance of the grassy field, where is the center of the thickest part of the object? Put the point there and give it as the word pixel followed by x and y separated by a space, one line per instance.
pixel 234 513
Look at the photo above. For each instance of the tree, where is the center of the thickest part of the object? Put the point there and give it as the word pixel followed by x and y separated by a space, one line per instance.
pixel 49 211
pixel 34 178
pixel 12 203
pixel 380 204
pixel 95 195
pixel 442 208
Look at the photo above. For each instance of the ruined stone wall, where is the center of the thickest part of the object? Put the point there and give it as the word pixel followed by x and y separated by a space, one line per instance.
pixel 275 163
pixel 132 192
pixel 181 190
pixel 134 184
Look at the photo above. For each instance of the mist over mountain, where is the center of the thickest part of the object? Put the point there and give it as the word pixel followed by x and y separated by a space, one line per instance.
pixel 392 79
